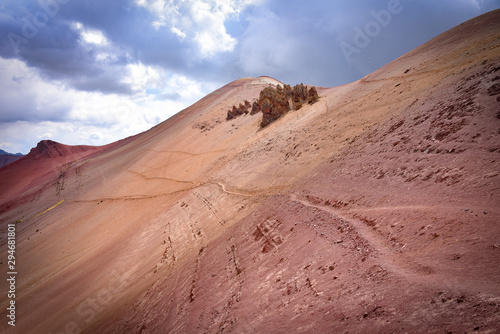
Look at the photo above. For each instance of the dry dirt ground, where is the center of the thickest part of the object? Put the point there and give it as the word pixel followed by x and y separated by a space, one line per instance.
pixel 374 210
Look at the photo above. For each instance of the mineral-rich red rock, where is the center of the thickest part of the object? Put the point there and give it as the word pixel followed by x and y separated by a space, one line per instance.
pixel 52 149
pixel 273 103
pixel 247 106
pixel 299 93
pixel 313 95
pixel 276 101
pixel 288 91
pixel 236 111
pixel 244 108
pixel 255 108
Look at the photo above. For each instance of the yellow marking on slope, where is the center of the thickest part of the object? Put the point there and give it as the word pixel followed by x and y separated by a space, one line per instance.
pixel 52 207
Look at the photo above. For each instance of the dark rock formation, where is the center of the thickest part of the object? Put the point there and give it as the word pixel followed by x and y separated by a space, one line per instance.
pixel 299 93
pixel 247 106
pixel 276 101
pixel 240 110
pixel 313 96
pixel 288 91
pixel 232 113
pixel 255 108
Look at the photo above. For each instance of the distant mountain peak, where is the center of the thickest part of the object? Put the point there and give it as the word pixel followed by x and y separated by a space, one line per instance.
pixel 6 157
pixel 52 149
pixel 8 153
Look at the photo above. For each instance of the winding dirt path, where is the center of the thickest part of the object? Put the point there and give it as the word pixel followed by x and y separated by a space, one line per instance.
pixel 390 259
pixel 224 189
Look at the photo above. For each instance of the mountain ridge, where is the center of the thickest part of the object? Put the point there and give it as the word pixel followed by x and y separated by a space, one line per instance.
pixel 373 210
pixel 5 152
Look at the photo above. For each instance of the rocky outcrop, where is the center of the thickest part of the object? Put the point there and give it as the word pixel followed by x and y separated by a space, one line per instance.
pixel 255 108
pixel 240 110
pixel 276 101
pixel 313 96
pixel 299 93
pixel 52 149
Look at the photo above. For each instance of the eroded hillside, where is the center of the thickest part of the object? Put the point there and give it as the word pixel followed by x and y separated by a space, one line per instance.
pixel 374 209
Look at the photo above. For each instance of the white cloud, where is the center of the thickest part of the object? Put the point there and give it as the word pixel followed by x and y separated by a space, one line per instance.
pixel 34 109
pixel 271 45
pixel 179 33
pixel 90 36
pixel 106 57
pixel 140 77
pixel 211 35
pixel 188 90
pixel 25 95
pixel 200 22
pixel 104 51
pixel 94 37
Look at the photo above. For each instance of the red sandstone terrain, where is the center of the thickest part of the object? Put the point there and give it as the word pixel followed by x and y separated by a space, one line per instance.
pixel 374 210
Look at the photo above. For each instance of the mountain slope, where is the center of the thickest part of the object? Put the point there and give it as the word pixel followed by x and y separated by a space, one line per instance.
pixel 373 210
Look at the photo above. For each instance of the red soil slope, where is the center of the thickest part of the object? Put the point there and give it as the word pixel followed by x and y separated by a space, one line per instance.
pixel 374 210
pixel 27 177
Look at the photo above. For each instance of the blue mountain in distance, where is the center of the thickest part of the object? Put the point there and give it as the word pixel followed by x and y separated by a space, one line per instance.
pixel 7 153
pixel 6 157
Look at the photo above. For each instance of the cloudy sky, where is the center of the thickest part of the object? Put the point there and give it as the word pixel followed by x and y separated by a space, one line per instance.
pixel 91 72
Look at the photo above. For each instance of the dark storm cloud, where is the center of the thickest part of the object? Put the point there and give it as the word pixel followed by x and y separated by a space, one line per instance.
pixel 297 41
pixel 42 34
pixel 55 48
pixel 130 27
pixel 292 40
